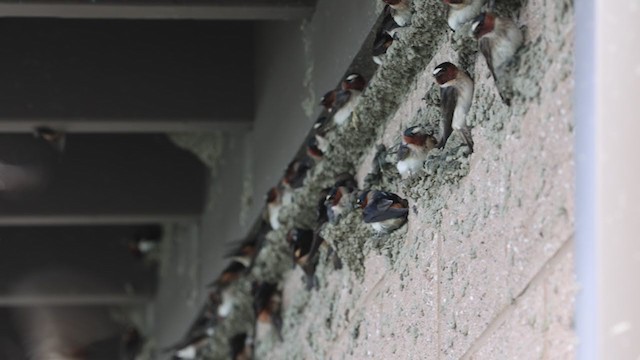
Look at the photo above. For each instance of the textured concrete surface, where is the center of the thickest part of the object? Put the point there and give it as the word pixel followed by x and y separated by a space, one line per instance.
pixel 487 248
pixel 483 227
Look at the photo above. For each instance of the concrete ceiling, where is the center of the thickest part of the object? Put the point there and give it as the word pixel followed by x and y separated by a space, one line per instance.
pixel 161 9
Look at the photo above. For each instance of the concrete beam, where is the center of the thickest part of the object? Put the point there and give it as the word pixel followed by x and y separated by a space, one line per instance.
pixel 114 126
pixel 83 219
pixel 73 300
pixel 252 11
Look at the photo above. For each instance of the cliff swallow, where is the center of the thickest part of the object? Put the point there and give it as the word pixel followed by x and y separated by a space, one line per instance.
pixel 313 151
pixel 498 39
pixel 241 346
pixel 189 348
pixel 381 44
pixel 131 343
pixel 462 11
pixel 345 99
pixel 320 129
pixel 389 25
pixel 227 301
pixel 456 94
pixel 274 204
pixel 231 273
pixel 339 200
pixel 416 144
pixel 295 173
pixel 328 99
pixel 267 304
pixel 321 208
pixel 55 138
pixel 300 241
pixel 305 244
pixel 385 211
pixel 400 10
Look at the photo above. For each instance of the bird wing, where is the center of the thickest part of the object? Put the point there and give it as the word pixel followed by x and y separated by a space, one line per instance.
pixel 485 48
pixel 342 97
pixel 448 101
pixel 383 210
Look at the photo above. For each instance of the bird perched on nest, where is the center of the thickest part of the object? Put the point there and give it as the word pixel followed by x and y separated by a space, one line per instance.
pixel 385 211
pixel 400 10
pixel 340 103
pixel 498 39
pixel 462 11
pixel 305 244
pixel 456 94
pixel 416 144
pixel 267 304
pixel 339 200
pixel 274 205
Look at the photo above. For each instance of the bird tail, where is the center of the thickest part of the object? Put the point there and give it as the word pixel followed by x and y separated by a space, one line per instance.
pixel 466 136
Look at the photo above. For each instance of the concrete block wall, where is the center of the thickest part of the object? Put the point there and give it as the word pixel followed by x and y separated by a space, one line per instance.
pixel 484 267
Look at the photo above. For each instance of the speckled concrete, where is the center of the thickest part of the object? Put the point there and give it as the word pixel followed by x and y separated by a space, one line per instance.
pixel 486 253
pixel 483 227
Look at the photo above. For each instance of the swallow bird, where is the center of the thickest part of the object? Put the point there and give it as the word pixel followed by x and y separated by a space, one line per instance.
pixel 274 205
pixel 341 102
pixel 300 241
pixel 416 144
pixel 227 301
pixel 462 11
pixel 321 208
pixel 400 10
pixel 295 173
pixel 456 94
pixel 313 150
pixel 241 346
pixel 320 129
pixel 305 244
pixel 498 39
pixel 385 211
pixel 339 200
pixel 267 304
pixel 381 44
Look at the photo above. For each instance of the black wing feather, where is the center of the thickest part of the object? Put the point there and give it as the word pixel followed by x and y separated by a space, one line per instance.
pixel 342 97
pixel 448 101
pixel 485 48
pixel 381 210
